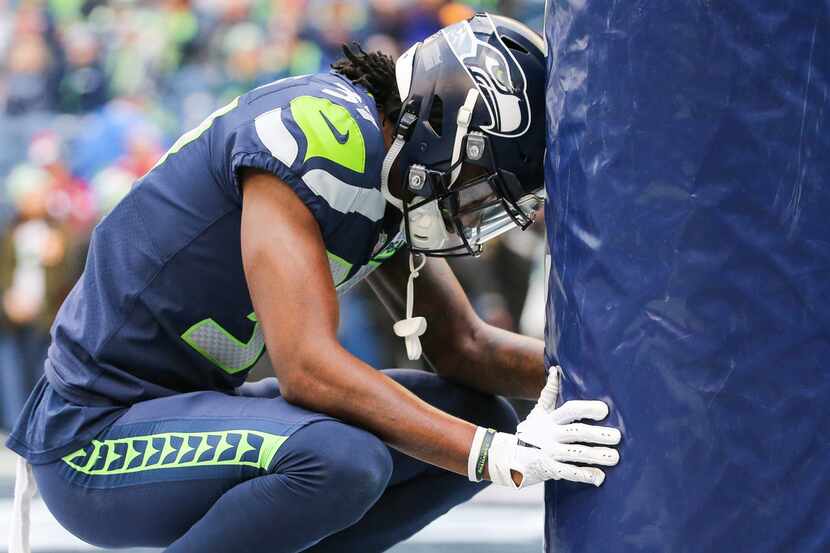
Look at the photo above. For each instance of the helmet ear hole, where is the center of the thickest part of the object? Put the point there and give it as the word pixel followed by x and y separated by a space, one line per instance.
pixel 436 115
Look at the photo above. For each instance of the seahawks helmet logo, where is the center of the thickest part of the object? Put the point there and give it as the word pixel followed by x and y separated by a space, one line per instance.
pixel 497 75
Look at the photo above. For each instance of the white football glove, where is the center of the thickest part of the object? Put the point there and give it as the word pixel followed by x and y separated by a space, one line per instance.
pixel 553 431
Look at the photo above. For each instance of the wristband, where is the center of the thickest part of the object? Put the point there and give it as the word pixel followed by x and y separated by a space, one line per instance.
pixel 475 448
pixel 482 454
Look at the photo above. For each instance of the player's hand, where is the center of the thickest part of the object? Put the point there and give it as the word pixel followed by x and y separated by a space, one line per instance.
pixel 552 428
pixel 513 464
pixel 547 442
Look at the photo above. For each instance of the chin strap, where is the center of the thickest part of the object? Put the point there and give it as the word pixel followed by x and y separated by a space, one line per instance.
pixel 465 115
pixel 24 489
pixel 411 328
pixel 388 162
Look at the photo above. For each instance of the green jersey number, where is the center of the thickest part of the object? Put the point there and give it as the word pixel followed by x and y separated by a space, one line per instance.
pixel 222 348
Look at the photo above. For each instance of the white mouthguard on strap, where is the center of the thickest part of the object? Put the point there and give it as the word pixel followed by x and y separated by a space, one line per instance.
pixel 412 328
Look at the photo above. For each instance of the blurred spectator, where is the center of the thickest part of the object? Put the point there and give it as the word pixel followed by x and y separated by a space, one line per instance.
pixel 83 84
pixel 34 277
pixel 29 74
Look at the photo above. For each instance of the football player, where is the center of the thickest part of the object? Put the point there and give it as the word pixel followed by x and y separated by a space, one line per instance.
pixel 143 431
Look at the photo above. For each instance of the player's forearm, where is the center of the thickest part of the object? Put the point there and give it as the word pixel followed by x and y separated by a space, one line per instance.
pixel 496 361
pixel 334 382
pixel 457 343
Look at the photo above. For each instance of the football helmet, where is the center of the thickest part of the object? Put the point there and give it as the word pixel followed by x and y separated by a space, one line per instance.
pixel 470 137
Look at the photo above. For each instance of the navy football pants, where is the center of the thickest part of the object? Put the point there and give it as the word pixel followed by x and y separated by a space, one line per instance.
pixel 213 472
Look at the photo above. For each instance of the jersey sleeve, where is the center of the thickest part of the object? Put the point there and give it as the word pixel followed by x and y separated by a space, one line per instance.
pixel 322 150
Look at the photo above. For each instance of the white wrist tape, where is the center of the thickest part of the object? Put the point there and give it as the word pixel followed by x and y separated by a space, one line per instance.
pixel 500 459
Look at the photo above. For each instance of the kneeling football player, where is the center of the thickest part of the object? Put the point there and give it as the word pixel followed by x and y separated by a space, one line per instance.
pixel 240 239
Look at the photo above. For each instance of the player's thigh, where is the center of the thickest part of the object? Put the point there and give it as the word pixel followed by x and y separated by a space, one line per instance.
pixel 162 465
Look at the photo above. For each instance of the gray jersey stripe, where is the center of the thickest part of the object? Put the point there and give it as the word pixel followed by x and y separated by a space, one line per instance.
pixel 344 197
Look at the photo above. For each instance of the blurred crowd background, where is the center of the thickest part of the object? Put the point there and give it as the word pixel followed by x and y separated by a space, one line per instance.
pixel 92 92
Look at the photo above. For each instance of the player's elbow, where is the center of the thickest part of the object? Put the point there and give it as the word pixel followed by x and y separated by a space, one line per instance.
pixel 291 392
pixel 300 381
pixel 296 389
pixel 294 385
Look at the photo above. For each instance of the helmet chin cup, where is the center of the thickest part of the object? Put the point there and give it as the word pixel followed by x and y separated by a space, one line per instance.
pixel 426 227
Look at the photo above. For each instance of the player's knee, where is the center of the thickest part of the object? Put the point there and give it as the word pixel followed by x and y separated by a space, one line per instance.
pixel 351 467
pixel 360 466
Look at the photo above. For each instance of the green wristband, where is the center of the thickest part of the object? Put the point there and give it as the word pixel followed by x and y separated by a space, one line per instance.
pixel 482 453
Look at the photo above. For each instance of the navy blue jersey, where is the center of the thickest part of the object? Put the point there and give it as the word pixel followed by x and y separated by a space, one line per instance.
pixel 162 307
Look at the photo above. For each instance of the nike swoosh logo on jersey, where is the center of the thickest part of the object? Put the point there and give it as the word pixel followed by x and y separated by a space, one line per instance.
pixel 340 137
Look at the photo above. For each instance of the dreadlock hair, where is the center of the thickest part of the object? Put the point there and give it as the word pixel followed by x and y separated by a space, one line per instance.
pixel 375 71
